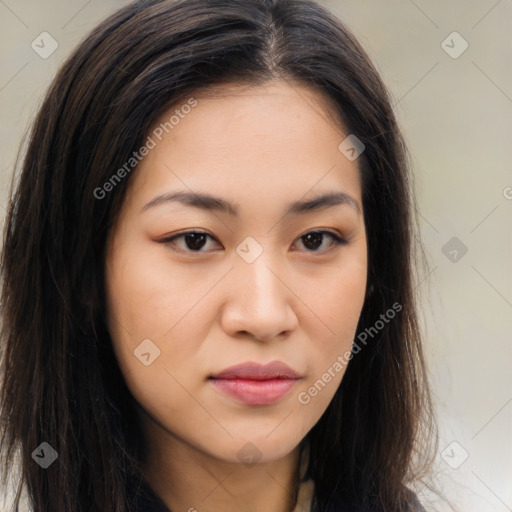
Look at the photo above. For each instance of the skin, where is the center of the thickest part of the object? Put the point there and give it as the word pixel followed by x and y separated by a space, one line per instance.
pixel 259 148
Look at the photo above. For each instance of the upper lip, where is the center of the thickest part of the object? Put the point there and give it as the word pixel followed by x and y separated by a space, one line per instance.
pixel 257 371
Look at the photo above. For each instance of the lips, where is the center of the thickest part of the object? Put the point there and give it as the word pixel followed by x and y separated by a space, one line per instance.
pixel 256 371
pixel 256 384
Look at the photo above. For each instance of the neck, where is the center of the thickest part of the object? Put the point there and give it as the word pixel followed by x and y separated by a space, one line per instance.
pixel 188 479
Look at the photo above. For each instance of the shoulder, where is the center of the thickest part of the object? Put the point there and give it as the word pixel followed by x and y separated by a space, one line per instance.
pixel 414 503
pixel 336 505
pixel 146 500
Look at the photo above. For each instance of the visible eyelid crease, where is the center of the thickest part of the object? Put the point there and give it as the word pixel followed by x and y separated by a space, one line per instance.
pixel 337 240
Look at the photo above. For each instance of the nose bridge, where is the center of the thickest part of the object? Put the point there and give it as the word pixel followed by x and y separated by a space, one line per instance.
pixel 256 268
pixel 259 301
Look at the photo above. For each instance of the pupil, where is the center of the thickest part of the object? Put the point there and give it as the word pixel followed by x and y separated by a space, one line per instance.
pixel 196 239
pixel 315 237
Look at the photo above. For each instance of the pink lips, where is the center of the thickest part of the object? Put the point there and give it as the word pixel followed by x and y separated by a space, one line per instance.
pixel 256 384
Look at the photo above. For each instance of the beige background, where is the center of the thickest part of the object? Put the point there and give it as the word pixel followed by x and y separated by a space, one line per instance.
pixel 456 114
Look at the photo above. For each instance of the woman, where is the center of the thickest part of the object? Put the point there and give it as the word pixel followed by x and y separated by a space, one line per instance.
pixel 208 273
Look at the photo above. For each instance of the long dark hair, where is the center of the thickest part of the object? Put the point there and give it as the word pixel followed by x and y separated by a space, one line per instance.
pixel 60 380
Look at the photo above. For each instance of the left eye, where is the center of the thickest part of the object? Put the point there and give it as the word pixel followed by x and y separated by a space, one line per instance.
pixel 195 240
pixel 313 237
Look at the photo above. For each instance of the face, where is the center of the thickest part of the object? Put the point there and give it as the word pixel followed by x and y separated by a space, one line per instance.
pixel 196 286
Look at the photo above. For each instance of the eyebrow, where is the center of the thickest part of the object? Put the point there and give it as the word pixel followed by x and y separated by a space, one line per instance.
pixel 212 203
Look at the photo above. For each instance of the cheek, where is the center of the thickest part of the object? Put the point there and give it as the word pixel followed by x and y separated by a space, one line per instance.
pixel 337 305
pixel 151 299
pixel 337 297
pixel 147 296
pixel 147 307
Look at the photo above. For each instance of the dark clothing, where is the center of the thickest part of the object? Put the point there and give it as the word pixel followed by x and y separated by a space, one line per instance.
pixel 148 501
pixel 340 507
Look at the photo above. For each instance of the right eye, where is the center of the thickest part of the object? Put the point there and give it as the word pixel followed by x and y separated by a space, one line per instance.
pixel 193 240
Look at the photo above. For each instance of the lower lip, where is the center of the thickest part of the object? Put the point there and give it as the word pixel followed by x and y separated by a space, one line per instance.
pixel 255 392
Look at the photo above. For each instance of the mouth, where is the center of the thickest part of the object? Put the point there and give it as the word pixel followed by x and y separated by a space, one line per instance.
pixel 256 384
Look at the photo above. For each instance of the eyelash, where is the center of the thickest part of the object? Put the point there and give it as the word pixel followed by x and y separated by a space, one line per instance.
pixel 336 241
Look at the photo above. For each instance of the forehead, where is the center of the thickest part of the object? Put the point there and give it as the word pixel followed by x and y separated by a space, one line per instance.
pixel 269 141
pixel 277 97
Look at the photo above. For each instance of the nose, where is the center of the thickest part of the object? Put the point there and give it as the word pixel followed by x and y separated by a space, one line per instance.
pixel 260 302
